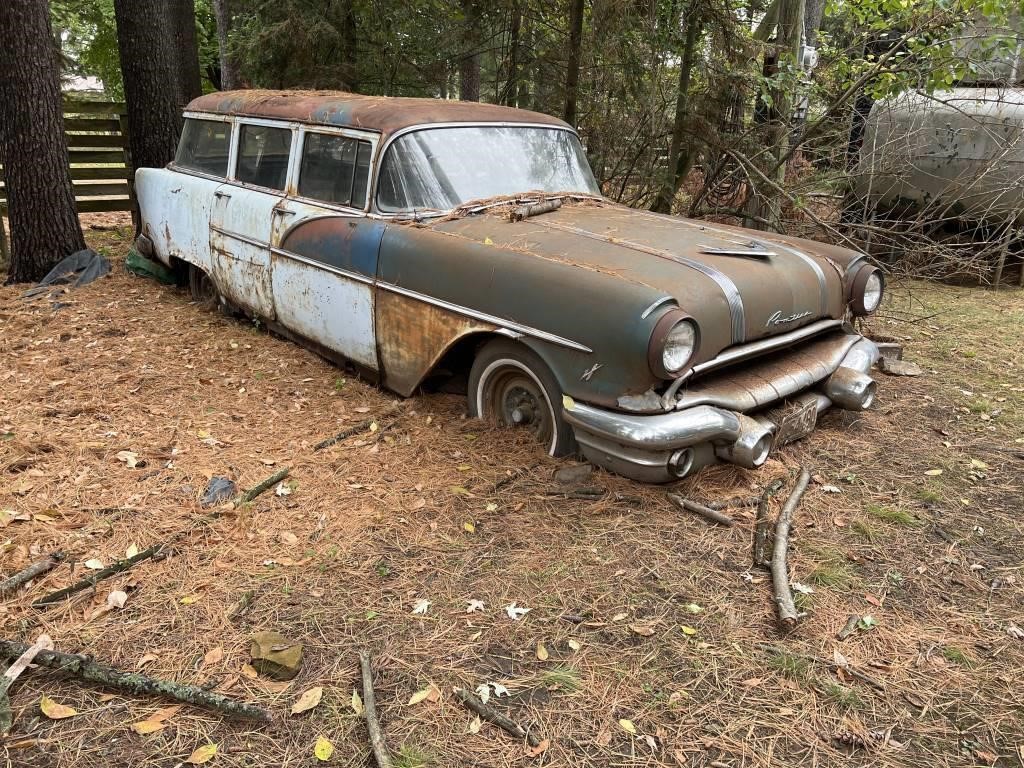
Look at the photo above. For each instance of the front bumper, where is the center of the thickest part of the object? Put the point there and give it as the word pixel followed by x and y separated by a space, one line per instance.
pixel 737 416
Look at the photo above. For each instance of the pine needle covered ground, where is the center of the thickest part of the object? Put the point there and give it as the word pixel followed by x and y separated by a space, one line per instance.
pixel 650 639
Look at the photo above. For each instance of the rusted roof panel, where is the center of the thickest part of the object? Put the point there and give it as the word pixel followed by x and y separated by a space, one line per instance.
pixel 386 114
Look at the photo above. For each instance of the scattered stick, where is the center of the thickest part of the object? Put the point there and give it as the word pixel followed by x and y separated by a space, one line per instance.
pixel 256 490
pixel 762 526
pixel 831 664
pixel 502 482
pixel 362 426
pixel 380 747
pixel 788 615
pixel 849 628
pixel 700 509
pixel 736 502
pixel 491 715
pixel 90 581
pixel 43 642
pixel 134 682
pixel 45 565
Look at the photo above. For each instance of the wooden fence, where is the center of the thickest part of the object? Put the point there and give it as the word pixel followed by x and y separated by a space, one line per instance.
pixel 97 136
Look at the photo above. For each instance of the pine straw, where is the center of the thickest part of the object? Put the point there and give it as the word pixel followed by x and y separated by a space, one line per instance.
pixel 379 521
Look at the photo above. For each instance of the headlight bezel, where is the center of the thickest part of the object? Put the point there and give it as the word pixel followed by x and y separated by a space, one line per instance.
pixel 858 287
pixel 659 336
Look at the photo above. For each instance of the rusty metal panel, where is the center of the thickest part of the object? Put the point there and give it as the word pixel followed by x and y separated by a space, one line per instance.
pixel 412 336
pixel 175 211
pixel 240 229
pixel 386 114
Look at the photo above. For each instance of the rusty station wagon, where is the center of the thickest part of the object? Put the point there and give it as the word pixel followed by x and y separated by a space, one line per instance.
pixel 410 236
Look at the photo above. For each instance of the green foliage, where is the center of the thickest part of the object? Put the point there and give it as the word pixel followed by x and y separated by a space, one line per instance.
pixel 88 37
pixel 891 515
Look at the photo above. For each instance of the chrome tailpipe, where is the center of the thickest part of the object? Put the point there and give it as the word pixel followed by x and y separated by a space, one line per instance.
pixel 752 447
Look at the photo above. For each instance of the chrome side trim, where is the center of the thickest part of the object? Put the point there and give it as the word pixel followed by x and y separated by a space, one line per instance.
pixel 647 312
pixel 727 286
pixel 508 326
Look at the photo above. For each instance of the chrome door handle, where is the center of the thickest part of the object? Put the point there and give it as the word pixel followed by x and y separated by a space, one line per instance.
pixel 225 195
pixel 284 212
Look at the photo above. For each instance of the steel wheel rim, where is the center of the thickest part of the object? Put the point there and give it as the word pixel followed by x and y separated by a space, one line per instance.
pixel 513 398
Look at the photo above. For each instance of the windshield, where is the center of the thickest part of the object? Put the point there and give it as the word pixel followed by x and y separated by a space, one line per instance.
pixel 442 168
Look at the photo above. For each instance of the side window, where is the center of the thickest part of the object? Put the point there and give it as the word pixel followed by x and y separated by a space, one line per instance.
pixel 335 169
pixel 204 146
pixel 263 155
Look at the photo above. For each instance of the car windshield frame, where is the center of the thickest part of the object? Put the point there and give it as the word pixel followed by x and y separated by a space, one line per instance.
pixel 426 211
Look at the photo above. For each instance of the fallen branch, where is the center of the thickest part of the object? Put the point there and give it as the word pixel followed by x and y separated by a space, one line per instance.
pixel 380 747
pixel 762 526
pixel 736 502
pixel 45 565
pixel 43 642
pixel 514 475
pixel 84 668
pixel 90 581
pixel 362 426
pixel 256 490
pixel 700 509
pixel 849 628
pixel 491 715
pixel 788 615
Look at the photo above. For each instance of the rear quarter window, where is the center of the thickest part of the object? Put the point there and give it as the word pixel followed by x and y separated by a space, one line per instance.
pixel 204 146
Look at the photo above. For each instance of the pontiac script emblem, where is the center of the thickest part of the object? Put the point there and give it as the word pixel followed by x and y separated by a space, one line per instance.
pixel 778 318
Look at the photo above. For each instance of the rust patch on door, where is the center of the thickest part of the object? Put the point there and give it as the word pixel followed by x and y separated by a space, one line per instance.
pixel 413 335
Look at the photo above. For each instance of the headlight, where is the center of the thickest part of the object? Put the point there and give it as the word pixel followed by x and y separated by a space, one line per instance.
pixel 673 344
pixel 866 291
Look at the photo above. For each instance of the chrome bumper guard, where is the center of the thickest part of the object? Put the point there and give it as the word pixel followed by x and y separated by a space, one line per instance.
pixel 727 417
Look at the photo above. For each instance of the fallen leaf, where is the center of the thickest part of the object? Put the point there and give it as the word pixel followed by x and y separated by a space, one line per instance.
pixel 129 458
pixel 94 564
pixel 492 507
pixel 474 605
pixel 627 726
pixel 357 702
pixel 483 692
pixel 619 617
pixel 752 682
pixel 469 527
pixel 116 600
pixel 249 671
pixel 149 657
pixel 539 750
pixel 189 599
pixel 688 630
pixel 308 700
pixel 574 644
pixel 644 630
pixel 283 489
pixel 144 727
pixel 933 472
pixel 421 606
pixel 803 589
pixel 515 612
pixel 499 689
pixel 868 597
pixel 323 750
pixel 289 538
pixel 692 608
pixel 213 656
pixel 131 552
pixel 203 754
pixel 542 652
pixel 475 725
pixel 430 693
pixel 55 711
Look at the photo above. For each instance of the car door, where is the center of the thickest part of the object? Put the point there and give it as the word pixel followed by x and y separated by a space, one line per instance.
pixel 244 212
pixel 325 254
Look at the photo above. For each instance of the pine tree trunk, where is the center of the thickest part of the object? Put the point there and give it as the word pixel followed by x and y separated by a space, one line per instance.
pixel 469 66
pixel 510 93
pixel 40 199
pixel 183 22
pixel 350 41
pixel 572 74
pixel 680 155
pixel 228 69
pixel 149 66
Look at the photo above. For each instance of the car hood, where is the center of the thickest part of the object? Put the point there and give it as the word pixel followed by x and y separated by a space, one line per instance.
pixel 780 284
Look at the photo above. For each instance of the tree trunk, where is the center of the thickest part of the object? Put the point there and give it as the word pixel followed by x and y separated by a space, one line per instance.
pixel 228 68
pixel 350 39
pixel 150 70
pixel 469 66
pixel 40 199
pixel 572 73
pixel 680 156
pixel 183 22
pixel 510 94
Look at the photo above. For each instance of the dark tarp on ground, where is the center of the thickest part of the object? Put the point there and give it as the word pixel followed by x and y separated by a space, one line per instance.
pixel 78 269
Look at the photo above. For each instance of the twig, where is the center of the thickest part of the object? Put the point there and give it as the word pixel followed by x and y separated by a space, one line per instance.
pixel 491 715
pixel 380 747
pixel 736 502
pixel 43 642
pixel 134 682
pixel 502 482
pixel 355 429
pixel 788 615
pixel 849 628
pixel 90 581
pixel 256 490
pixel 762 526
pixel 876 684
pixel 45 565
pixel 700 509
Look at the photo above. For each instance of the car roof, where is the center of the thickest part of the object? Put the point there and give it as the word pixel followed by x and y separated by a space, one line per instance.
pixel 387 114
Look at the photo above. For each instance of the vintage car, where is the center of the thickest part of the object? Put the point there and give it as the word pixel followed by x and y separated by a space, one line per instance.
pixel 406 236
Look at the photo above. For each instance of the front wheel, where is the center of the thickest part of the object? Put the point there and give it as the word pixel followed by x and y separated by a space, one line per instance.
pixel 511 386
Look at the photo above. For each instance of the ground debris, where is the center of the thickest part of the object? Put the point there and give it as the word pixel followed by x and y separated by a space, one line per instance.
pixel 275 656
